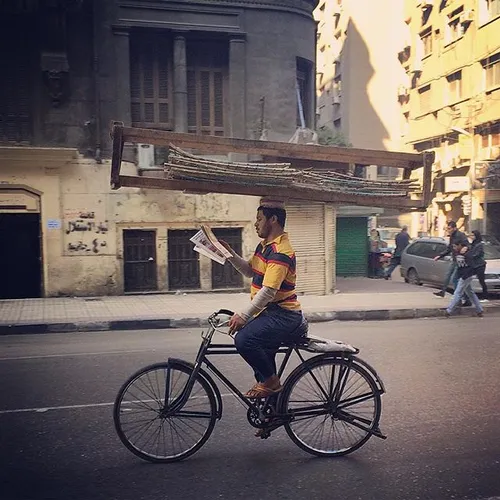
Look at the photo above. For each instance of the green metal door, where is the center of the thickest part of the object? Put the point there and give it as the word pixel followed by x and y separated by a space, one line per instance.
pixel 352 246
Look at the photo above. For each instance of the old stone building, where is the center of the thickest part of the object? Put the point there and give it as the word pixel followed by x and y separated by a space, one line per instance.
pixel 70 67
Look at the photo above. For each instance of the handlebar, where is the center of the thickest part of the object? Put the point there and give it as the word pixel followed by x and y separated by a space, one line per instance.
pixel 227 312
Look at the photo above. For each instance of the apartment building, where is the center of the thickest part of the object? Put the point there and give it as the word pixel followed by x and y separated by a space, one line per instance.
pixel 358 76
pixel 450 104
pixel 201 66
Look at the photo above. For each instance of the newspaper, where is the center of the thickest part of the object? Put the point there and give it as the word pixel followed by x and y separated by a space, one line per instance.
pixel 206 243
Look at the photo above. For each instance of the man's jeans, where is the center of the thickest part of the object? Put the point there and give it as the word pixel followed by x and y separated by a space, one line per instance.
pixel 259 340
pixel 395 262
pixel 464 286
pixel 451 276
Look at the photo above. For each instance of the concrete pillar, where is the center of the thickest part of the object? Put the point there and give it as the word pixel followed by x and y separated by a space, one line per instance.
pixel 180 85
pixel 237 87
pixel 122 55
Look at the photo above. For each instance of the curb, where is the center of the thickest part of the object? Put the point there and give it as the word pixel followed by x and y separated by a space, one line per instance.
pixel 169 323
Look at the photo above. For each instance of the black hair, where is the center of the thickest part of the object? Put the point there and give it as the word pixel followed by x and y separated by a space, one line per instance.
pixel 280 214
pixel 477 235
pixel 452 223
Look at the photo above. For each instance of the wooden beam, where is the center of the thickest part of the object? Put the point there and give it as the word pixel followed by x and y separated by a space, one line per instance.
pixel 116 160
pixel 285 150
pixel 429 157
pixel 288 193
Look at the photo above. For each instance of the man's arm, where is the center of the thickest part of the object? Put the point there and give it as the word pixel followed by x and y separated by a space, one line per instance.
pixel 259 302
pixel 241 265
pixel 444 253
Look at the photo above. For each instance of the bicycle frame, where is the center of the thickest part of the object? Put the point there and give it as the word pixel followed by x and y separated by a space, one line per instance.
pixel 207 349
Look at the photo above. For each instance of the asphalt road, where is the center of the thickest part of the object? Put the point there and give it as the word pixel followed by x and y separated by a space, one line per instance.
pixel 441 414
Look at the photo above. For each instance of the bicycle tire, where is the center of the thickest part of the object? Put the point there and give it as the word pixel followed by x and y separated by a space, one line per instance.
pixel 147 412
pixel 337 416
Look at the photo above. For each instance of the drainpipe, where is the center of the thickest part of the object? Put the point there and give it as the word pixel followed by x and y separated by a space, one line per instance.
pixel 97 94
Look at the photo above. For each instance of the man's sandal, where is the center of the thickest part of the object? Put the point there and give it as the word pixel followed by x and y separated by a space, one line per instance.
pixel 260 390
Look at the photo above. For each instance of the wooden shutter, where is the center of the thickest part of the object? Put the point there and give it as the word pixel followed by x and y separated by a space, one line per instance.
pixel 206 86
pixel 151 82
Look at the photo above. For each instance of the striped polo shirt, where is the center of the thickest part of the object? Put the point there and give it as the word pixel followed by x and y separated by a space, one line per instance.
pixel 273 265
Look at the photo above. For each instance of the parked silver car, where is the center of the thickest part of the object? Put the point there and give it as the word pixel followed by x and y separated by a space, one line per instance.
pixel 418 266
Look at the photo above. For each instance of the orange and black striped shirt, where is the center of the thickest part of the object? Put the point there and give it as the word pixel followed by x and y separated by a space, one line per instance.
pixel 273 265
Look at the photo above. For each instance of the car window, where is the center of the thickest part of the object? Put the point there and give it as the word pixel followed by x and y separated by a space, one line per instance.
pixel 426 249
pixel 429 250
pixel 414 248
pixel 491 253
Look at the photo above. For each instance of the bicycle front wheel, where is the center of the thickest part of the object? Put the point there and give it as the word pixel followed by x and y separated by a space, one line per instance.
pixel 333 403
pixel 146 426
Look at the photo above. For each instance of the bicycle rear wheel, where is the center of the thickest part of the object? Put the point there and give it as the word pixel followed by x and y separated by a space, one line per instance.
pixel 333 403
pixel 144 424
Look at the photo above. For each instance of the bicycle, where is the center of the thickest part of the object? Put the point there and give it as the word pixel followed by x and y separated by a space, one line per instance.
pixel 166 411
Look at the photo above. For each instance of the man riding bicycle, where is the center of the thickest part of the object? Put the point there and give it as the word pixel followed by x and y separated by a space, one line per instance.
pixel 274 315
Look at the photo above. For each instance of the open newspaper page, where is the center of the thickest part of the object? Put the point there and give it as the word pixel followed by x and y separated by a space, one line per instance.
pixel 211 236
pixel 205 243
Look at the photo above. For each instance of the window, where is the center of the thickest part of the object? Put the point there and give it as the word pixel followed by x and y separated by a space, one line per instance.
pixel 207 70
pixel 492 9
pixel 151 82
pixel 337 124
pixel 426 40
pixel 425 99
pixel 454 29
pixel 17 83
pixel 492 71
pixel 304 104
pixel 454 86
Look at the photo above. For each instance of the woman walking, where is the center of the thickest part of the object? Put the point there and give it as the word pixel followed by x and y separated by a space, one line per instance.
pixel 479 264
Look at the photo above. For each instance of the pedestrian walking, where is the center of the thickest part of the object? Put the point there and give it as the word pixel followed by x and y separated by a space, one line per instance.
pixel 479 263
pixel 402 241
pixel 375 248
pixel 456 237
pixel 465 271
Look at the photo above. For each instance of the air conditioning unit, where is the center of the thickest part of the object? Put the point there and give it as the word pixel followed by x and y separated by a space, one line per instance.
pixel 416 67
pixel 145 155
pixel 491 153
pixel 467 17
pixel 403 91
pixel 426 4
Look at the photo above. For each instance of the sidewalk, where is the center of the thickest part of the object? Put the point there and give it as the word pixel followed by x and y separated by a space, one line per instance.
pixel 357 299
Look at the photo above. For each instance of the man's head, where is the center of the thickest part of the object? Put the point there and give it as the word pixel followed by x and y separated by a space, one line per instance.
pixel 451 226
pixel 460 246
pixel 270 220
pixel 404 229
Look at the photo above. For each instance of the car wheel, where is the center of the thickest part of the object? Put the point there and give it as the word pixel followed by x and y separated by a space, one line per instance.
pixel 413 277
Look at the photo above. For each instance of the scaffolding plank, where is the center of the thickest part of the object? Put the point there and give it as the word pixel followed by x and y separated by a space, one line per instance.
pixel 288 193
pixel 290 151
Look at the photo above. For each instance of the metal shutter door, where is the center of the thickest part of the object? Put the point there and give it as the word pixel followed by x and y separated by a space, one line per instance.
pixel 352 246
pixel 306 228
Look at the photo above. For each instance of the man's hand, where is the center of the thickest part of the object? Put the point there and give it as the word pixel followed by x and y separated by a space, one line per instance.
pixel 436 258
pixel 227 246
pixel 236 323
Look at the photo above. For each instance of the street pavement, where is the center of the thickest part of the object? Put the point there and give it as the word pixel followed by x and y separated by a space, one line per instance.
pixel 357 299
pixel 440 414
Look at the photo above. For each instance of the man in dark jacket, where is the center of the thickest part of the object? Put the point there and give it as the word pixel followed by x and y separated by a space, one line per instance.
pixel 456 237
pixel 402 241
pixel 464 259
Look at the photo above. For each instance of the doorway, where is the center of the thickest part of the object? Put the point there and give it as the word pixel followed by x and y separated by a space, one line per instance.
pixel 139 255
pixel 20 256
pixel 227 276
pixel 183 261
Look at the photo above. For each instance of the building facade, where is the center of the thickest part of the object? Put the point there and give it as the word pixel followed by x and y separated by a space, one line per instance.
pixel 450 104
pixel 358 74
pixel 204 67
